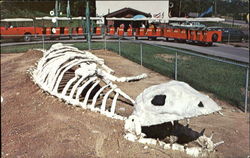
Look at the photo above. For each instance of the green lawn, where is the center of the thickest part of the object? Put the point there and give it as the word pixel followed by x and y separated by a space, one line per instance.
pixel 225 81
pixel 24 48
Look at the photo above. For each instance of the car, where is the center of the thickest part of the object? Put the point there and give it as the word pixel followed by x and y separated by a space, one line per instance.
pixel 230 34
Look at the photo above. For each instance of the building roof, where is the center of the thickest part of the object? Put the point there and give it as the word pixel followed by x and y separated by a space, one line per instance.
pixel 126 11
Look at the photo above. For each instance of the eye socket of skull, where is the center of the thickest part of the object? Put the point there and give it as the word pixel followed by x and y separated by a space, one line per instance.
pixel 200 105
pixel 158 100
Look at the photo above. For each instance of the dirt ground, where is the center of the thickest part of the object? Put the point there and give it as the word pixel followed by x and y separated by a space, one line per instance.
pixel 35 124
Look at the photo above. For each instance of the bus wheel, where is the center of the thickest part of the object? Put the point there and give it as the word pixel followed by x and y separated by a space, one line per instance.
pixel 27 37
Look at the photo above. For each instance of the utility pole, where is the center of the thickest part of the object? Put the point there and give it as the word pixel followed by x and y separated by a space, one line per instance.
pixel 199 9
pixel 215 8
pixel 56 12
pixel 59 7
pixel 180 9
pixel 88 24
pixel 68 9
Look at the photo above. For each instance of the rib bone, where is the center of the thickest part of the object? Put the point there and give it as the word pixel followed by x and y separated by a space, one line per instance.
pixel 104 101
pixel 73 72
pixel 88 93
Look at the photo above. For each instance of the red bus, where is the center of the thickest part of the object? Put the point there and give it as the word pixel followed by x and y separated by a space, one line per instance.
pixel 19 28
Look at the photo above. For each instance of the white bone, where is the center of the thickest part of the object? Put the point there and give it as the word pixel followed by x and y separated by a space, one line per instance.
pixel 185 102
pixel 104 101
pixel 61 75
pixel 96 96
pixel 118 90
pixel 112 110
pixel 55 66
pixel 220 113
pixel 147 141
pixel 172 122
pixel 177 147
pixel 219 143
pixel 39 77
pixel 65 89
pixel 130 137
pixel 88 93
pixel 193 151
pixel 111 77
pixel 65 68
pixel 76 85
pixel 79 91
pixel 211 136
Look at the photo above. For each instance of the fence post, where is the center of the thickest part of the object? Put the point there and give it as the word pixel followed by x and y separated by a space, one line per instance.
pixel 43 40
pixel 119 46
pixel 246 89
pixel 175 72
pixel 105 43
pixel 228 40
pixel 141 52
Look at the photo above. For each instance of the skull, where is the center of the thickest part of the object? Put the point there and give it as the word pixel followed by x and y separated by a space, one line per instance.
pixel 169 102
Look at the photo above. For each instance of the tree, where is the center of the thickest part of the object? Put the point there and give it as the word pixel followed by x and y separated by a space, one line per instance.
pixel 33 8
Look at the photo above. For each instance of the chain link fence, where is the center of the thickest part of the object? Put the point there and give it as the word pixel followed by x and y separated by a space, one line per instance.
pixel 227 80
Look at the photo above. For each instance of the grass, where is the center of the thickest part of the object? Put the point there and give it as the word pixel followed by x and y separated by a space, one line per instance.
pixel 225 81
pixel 24 48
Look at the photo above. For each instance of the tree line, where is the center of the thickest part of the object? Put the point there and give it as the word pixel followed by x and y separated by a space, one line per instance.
pixel 36 8
pixel 231 8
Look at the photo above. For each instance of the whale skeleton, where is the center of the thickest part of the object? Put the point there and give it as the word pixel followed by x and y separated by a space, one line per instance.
pixel 82 79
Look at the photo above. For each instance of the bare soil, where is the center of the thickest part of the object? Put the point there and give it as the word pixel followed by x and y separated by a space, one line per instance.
pixel 35 124
pixel 169 58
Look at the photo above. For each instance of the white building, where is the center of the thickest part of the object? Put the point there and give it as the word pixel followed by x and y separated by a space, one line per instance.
pixel 155 8
pixel 158 9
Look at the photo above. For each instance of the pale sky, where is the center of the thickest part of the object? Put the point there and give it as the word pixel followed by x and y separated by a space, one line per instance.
pixel 153 7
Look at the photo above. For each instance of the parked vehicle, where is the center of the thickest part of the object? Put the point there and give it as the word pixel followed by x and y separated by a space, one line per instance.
pixel 25 29
pixel 230 34
pixel 188 34
pixel 19 28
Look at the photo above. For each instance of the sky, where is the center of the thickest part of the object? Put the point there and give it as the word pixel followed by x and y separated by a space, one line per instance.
pixel 152 7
